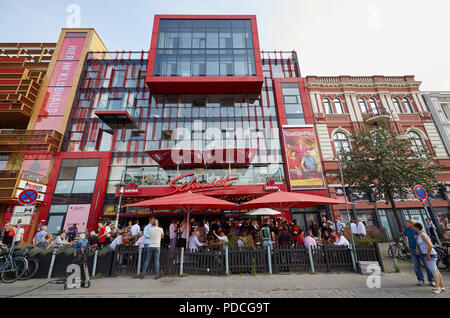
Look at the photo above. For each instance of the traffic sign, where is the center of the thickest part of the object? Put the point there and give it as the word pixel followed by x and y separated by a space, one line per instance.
pixel 28 196
pixel 420 192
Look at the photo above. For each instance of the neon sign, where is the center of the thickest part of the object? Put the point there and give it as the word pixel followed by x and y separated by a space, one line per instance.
pixel 194 186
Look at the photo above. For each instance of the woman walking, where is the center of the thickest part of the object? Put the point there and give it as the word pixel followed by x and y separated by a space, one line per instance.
pixel 426 248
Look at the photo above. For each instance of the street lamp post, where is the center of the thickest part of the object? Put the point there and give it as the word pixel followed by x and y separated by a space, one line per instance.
pixel 121 187
pixel 346 204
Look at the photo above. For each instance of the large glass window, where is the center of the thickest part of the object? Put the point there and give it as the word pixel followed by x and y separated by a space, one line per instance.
pixel 233 38
pixel 292 104
pixel 77 176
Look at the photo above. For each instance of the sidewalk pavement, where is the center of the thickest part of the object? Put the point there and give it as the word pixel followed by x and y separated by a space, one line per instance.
pixel 340 285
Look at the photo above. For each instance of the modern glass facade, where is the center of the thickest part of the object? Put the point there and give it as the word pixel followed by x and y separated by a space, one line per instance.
pixel 189 47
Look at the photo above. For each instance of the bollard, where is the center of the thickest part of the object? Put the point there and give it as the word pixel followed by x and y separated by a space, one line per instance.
pixel 269 259
pixel 227 269
pixel 355 269
pixel 311 262
pixel 393 256
pixel 139 261
pixel 94 264
pixel 181 261
pixel 52 262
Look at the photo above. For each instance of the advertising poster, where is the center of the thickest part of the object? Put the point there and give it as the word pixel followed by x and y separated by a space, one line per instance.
pixel 77 214
pixel 303 159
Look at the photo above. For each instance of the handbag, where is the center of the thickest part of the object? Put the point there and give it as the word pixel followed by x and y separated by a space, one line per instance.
pixel 417 250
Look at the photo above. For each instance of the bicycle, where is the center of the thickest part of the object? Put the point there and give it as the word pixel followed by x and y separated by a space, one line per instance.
pixel 33 264
pixel 400 249
pixel 11 267
pixel 443 261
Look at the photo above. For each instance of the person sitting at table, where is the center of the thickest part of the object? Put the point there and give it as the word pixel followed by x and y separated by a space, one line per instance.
pixel 194 243
pixel 223 239
pixel 342 241
pixel 326 238
pixel 81 242
pixel 299 239
pixel 309 240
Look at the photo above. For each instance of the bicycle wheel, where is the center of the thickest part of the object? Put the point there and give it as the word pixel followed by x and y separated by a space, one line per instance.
pixel 442 262
pixel 21 264
pixel 9 273
pixel 33 266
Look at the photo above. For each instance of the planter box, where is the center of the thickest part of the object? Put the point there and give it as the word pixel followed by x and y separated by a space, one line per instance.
pixel 62 261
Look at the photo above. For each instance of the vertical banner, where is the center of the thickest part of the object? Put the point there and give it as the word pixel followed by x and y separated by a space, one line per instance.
pixel 77 214
pixel 302 158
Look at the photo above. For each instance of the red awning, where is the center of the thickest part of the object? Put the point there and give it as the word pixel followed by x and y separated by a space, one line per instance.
pixel 188 158
pixel 281 200
pixel 187 201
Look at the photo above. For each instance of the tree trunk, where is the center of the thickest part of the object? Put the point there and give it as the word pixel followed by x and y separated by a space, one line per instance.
pixel 398 220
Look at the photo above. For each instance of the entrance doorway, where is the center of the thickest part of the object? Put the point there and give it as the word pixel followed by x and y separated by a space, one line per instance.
pixel 305 217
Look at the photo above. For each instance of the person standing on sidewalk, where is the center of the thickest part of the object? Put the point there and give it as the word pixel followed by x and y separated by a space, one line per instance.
pixel 173 230
pixel 152 244
pixel 410 237
pixel 426 248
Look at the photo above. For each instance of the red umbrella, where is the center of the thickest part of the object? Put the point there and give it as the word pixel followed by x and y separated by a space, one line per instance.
pixel 188 202
pixel 281 200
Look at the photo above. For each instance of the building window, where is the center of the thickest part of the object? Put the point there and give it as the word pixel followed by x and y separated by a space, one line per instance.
pixel 408 105
pixel 293 107
pixel 341 142
pixel 328 107
pixel 374 106
pixel 338 106
pixel 363 105
pixel 416 140
pixel 205 48
pixel 397 105
pixel 77 176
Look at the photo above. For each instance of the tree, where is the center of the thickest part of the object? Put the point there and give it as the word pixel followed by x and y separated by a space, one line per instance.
pixel 382 162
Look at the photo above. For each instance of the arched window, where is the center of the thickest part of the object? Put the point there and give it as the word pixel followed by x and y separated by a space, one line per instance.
pixel 341 142
pixel 328 107
pixel 416 140
pixel 408 105
pixel 397 105
pixel 338 106
pixel 374 106
pixel 363 105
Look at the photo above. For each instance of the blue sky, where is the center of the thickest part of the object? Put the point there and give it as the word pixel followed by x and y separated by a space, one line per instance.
pixel 346 37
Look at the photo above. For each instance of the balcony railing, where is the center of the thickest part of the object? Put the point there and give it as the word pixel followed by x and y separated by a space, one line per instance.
pixel 18 140
pixel 379 114
pixel 116 113
pixel 9 181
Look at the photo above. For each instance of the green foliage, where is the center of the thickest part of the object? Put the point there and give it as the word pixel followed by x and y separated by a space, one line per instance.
pixel 367 241
pixel 383 163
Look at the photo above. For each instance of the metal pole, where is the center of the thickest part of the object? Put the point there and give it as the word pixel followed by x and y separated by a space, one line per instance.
pixel 181 261
pixel 311 262
pixel 227 268
pixel 120 203
pixel 139 260
pixel 94 264
pixel 52 262
pixel 269 259
pixel 346 205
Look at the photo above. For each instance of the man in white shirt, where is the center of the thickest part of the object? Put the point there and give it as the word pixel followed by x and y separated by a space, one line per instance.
pixel 342 241
pixel 135 229
pixel 207 226
pixel 19 235
pixel 354 227
pixel 140 242
pixel 194 243
pixel 173 229
pixel 155 234
pixel 117 241
pixel 361 228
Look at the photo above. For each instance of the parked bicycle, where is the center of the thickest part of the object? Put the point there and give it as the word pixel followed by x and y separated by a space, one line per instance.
pixel 400 249
pixel 33 263
pixel 443 261
pixel 11 267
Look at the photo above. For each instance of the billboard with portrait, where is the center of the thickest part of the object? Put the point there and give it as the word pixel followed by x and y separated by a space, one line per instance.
pixel 303 158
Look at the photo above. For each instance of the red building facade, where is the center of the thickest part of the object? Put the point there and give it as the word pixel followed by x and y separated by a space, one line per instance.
pixel 341 105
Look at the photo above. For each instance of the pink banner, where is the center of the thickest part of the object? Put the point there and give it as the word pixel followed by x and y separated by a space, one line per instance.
pixel 77 214
pixel 54 102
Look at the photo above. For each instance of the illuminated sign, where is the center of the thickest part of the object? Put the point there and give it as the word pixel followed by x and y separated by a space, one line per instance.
pixel 194 186
pixel 270 186
pixel 132 189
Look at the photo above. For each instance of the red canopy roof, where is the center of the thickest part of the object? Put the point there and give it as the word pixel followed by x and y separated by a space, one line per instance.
pixel 187 201
pixel 281 200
